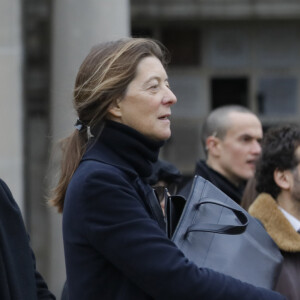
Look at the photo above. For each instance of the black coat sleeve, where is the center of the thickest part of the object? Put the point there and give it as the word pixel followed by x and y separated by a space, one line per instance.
pixel 17 252
pixel 43 292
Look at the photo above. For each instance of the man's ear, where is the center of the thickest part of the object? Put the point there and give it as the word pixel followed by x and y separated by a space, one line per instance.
pixel 213 145
pixel 115 110
pixel 283 178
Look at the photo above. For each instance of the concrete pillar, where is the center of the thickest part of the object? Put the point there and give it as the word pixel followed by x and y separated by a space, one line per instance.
pixel 11 109
pixel 77 26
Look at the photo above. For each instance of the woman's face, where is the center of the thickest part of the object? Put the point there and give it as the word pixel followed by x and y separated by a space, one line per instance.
pixel 146 106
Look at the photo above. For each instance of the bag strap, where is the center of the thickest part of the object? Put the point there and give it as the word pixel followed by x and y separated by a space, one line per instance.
pixel 220 228
pixel 151 201
pixel 156 210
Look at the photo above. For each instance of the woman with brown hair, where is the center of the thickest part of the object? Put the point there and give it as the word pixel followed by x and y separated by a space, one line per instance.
pixel 114 236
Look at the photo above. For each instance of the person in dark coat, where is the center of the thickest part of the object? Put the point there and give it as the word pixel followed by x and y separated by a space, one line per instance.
pixel 19 279
pixel 115 243
pixel 231 136
pixel 277 205
pixel 164 176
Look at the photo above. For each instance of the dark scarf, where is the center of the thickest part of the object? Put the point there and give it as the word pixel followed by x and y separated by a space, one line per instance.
pixel 231 190
pixel 129 147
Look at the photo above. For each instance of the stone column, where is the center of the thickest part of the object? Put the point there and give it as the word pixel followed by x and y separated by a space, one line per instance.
pixel 77 26
pixel 11 108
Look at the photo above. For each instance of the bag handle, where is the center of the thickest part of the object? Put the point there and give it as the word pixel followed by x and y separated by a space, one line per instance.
pixel 220 228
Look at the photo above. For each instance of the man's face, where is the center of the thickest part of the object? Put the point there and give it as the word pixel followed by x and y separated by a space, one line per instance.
pixel 240 148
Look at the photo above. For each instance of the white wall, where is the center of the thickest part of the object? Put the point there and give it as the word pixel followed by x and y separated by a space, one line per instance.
pixel 11 112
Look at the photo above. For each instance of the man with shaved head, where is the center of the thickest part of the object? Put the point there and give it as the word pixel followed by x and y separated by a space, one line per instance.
pixel 231 138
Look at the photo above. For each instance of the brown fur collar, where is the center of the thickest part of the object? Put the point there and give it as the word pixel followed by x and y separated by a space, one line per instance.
pixel 265 209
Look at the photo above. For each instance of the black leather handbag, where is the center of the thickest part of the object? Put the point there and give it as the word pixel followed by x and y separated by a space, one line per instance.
pixel 214 232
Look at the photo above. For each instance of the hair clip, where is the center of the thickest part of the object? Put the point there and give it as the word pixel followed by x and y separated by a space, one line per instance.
pixel 79 125
pixel 89 134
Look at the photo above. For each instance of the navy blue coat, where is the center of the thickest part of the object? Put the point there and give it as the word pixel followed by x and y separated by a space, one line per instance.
pixel 114 248
pixel 19 279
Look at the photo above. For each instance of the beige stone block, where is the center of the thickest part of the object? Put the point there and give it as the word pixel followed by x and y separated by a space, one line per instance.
pixel 10 23
pixel 10 104
pixel 11 129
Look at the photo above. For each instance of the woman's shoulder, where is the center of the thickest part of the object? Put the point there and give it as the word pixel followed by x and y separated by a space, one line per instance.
pixel 94 180
pixel 97 174
pixel 98 167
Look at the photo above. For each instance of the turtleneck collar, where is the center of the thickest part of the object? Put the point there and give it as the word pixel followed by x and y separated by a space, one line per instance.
pixel 220 181
pixel 125 147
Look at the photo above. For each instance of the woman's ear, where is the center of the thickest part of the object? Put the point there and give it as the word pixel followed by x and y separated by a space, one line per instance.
pixel 115 111
pixel 283 179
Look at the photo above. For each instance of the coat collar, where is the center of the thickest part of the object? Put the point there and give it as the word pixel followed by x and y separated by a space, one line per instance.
pixel 124 147
pixel 278 227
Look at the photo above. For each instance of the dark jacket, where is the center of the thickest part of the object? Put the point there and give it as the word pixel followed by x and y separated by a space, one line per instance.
pixel 114 247
pixel 19 279
pixel 203 170
pixel 287 239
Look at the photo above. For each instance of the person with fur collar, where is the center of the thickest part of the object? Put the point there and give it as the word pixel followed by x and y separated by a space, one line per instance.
pixel 277 205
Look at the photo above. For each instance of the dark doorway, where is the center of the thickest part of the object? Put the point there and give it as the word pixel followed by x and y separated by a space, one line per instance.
pixel 232 90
